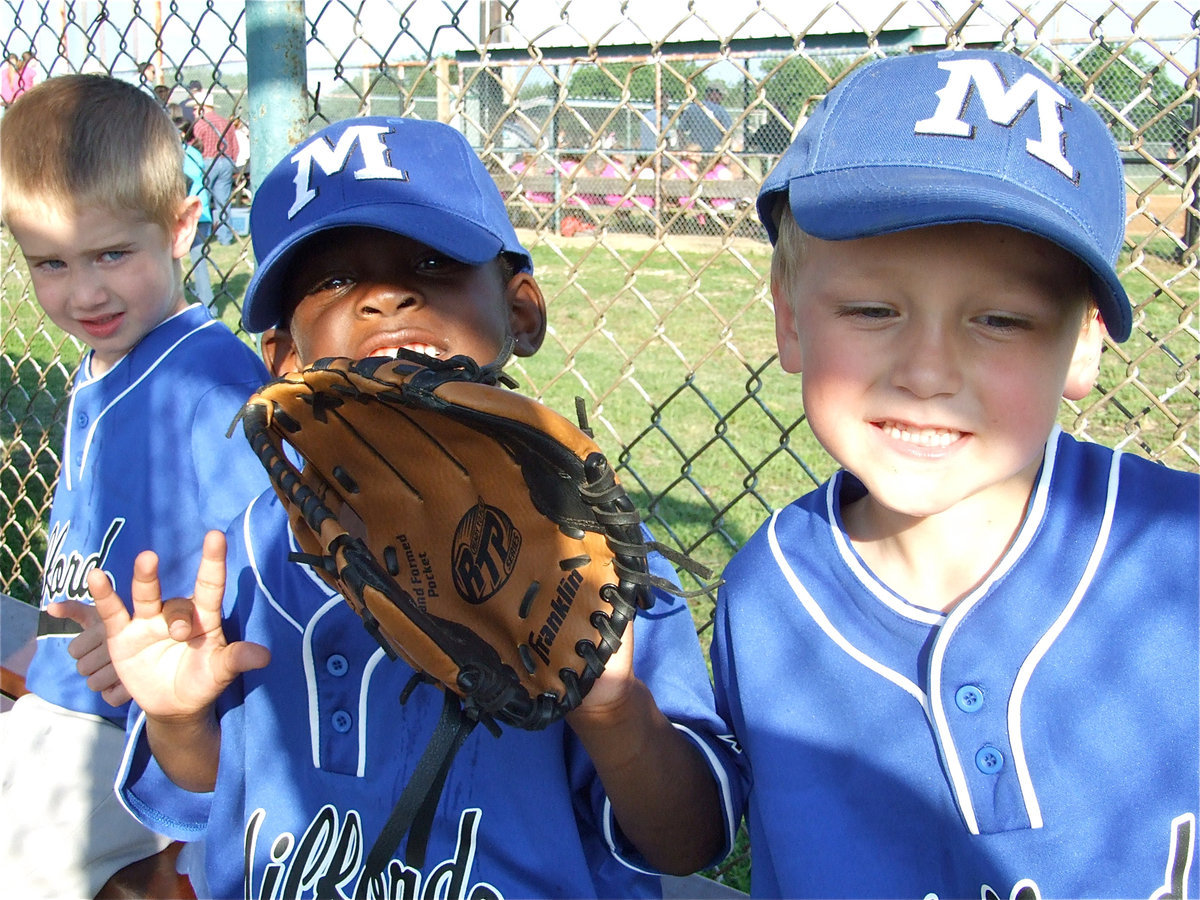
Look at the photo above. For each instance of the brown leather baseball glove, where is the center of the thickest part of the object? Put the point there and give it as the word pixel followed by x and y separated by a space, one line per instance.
pixel 480 536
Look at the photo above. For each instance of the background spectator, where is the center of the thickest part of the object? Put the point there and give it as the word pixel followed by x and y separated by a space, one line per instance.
pixel 17 76
pixel 241 162
pixel 772 136
pixel 9 74
pixel 193 170
pixel 707 123
pixel 219 145
pixel 28 72
pixel 193 101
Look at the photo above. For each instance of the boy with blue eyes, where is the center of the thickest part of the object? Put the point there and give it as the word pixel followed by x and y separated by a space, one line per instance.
pixel 286 744
pixel 95 195
pixel 994 626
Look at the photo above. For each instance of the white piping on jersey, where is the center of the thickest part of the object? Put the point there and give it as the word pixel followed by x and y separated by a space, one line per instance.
pixel 310 680
pixel 309 677
pixel 818 616
pixel 866 577
pixel 87 444
pixel 139 724
pixel 1033 519
pixel 726 803
pixel 305 631
pixel 1052 633
pixel 252 554
pixel 376 658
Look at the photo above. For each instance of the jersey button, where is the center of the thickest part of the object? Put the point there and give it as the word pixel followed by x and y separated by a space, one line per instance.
pixel 969 698
pixel 81 420
pixel 989 760
pixel 336 665
pixel 341 721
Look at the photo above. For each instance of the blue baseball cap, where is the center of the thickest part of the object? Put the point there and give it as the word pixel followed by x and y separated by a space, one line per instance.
pixel 415 178
pixel 959 136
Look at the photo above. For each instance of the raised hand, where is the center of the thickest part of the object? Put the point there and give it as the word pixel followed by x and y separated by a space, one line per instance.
pixel 172 656
pixel 90 649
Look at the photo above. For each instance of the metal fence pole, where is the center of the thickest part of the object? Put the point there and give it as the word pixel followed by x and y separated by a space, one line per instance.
pixel 1191 233
pixel 277 73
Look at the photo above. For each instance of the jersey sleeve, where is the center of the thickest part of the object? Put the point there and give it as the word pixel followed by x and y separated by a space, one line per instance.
pixel 223 475
pixel 150 796
pixel 223 456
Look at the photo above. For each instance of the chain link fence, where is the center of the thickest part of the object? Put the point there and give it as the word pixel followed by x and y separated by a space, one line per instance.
pixel 630 142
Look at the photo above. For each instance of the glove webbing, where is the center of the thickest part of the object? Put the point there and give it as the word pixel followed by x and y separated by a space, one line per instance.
pixel 611 507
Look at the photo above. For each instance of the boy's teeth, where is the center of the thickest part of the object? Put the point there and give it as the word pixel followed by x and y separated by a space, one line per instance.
pixel 922 437
pixel 424 349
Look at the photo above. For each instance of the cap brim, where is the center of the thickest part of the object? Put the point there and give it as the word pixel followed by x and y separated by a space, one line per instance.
pixel 458 238
pixel 859 203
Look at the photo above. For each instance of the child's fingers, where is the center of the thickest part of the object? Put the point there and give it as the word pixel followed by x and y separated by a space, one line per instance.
pixel 105 682
pixel 179 614
pixel 245 656
pixel 109 604
pixel 90 649
pixel 210 576
pixel 145 591
pixel 82 613
pixel 116 695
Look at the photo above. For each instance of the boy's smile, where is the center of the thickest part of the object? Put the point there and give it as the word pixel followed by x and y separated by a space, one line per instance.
pixel 934 360
pixel 359 292
pixel 929 438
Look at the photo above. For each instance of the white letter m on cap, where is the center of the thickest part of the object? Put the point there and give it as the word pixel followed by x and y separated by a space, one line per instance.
pixel 331 160
pixel 1002 106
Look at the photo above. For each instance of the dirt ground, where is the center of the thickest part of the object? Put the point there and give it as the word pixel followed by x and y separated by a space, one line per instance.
pixel 1167 209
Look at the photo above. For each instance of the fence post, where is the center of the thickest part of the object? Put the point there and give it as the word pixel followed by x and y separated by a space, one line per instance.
pixel 277 79
pixel 1191 231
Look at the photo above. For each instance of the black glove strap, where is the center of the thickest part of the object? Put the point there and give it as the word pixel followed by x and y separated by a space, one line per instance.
pixel 413 812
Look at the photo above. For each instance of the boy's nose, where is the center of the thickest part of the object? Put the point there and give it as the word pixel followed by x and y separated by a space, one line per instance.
pixel 927 362
pixel 87 290
pixel 387 300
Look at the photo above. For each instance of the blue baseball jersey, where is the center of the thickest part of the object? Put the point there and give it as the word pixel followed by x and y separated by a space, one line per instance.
pixel 317 747
pixel 145 466
pixel 1039 740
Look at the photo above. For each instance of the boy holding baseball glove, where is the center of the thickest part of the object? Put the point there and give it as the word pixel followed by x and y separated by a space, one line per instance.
pixel 997 623
pixel 272 721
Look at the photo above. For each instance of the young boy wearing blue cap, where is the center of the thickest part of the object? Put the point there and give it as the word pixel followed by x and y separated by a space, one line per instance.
pixel 993 625
pixel 95 197
pixel 286 746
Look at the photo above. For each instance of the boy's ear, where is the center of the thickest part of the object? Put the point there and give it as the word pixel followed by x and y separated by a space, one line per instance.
pixel 1085 361
pixel 279 352
pixel 526 313
pixel 786 339
pixel 184 230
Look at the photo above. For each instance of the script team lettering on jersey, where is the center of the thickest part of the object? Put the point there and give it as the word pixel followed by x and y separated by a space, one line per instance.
pixel 1004 106
pixel 66 573
pixel 332 159
pixel 327 861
